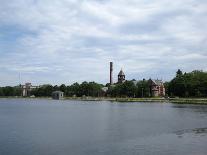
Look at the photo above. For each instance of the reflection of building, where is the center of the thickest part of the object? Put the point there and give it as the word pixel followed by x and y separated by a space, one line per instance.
pixel 57 95
pixel 157 88
pixel 121 77
pixel 27 88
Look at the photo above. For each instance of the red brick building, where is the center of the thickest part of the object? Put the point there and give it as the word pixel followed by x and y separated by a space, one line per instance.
pixel 157 88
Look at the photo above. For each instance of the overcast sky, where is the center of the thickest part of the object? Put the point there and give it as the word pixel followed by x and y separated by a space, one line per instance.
pixel 63 41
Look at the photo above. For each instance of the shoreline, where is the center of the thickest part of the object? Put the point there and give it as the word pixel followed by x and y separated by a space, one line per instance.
pixel 152 100
pixel 195 101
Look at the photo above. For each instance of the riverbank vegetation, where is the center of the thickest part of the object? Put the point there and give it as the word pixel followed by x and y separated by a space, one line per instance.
pixel 10 91
pixel 193 84
pixel 183 85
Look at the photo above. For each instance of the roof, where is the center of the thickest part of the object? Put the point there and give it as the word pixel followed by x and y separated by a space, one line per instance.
pixel 57 92
pixel 121 72
pixel 157 82
pixel 135 82
pixel 104 89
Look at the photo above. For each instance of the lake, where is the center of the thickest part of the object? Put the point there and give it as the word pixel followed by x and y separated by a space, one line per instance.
pixel 66 127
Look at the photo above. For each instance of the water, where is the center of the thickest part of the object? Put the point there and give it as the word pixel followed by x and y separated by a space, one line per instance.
pixel 50 127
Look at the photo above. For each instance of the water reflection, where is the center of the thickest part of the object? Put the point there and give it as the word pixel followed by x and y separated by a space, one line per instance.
pixel 198 111
pixel 96 128
pixel 195 132
pixel 189 106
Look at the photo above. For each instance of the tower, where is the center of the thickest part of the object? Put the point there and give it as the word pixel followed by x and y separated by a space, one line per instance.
pixel 121 76
pixel 111 73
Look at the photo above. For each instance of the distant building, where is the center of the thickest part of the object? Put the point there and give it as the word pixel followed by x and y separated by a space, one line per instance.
pixel 27 88
pixel 157 88
pixel 135 82
pixel 104 91
pixel 121 77
pixel 57 95
pixel 111 73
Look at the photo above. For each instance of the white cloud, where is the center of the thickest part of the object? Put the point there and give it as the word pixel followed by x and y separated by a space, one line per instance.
pixel 64 41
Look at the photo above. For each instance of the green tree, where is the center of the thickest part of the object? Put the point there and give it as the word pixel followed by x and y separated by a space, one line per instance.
pixel 8 91
pixel 179 73
pixel 1 91
pixel 143 89
pixel 44 90
pixel 166 84
pixel 74 90
pixel 63 88
pixel 126 89
pixel 193 84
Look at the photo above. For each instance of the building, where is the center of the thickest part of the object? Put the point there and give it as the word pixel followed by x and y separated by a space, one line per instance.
pixel 121 77
pixel 57 95
pixel 27 88
pixel 157 88
pixel 104 91
pixel 111 73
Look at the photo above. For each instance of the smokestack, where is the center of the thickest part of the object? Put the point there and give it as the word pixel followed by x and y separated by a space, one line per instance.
pixel 111 73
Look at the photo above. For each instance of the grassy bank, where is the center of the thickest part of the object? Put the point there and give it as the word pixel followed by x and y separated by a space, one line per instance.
pixel 141 100
pixel 168 100
pixel 20 97
pixel 162 100
pixel 188 100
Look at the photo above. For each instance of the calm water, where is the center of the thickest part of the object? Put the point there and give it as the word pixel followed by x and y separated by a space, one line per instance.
pixel 49 127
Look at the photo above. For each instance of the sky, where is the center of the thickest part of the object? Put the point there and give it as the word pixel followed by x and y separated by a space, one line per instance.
pixel 64 41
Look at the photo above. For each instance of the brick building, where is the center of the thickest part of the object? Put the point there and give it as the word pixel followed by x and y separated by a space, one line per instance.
pixel 157 88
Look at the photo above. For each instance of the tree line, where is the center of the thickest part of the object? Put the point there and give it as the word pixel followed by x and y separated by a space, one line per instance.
pixel 93 89
pixel 130 89
pixel 10 91
pixel 76 89
pixel 192 84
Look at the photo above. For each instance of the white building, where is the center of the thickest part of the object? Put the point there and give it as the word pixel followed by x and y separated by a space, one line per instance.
pixel 27 88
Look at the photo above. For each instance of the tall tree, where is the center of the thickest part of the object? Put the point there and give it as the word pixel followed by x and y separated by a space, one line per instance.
pixel 193 84
pixel 179 73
